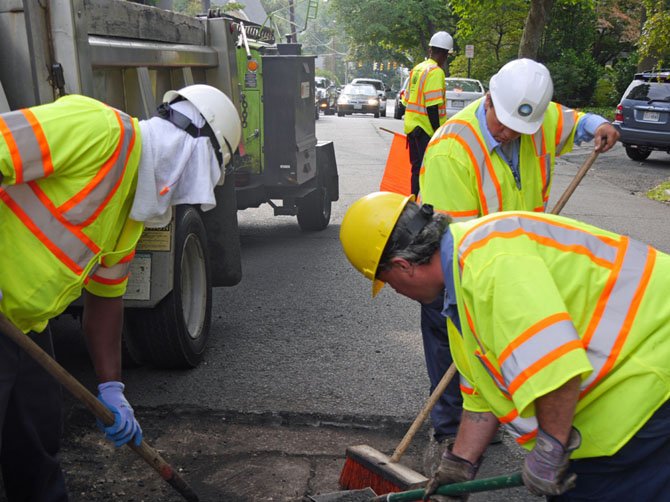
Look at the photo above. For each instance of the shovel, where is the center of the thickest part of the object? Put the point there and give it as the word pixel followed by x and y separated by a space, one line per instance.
pixel 145 451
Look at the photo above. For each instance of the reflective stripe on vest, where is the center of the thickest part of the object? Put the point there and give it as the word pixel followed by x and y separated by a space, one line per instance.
pixel 488 185
pixel 567 118
pixel 630 264
pixel 59 228
pixel 419 106
pixel 27 145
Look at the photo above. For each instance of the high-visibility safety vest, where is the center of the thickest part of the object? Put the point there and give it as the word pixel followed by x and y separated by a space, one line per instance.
pixel 426 88
pixel 543 299
pixel 459 176
pixel 70 173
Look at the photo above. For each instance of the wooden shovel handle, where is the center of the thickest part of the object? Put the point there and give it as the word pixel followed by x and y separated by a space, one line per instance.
pixel 575 181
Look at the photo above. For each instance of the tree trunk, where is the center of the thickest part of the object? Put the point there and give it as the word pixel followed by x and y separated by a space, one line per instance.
pixel 534 27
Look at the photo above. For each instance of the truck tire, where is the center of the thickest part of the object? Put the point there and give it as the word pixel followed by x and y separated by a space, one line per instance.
pixel 314 209
pixel 175 333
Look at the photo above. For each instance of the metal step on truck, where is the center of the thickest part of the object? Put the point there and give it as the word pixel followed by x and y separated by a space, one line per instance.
pixel 128 55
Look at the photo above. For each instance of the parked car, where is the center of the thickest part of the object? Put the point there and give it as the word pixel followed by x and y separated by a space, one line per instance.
pixel 643 115
pixel 399 107
pixel 326 95
pixel 381 91
pixel 460 92
pixel 358 98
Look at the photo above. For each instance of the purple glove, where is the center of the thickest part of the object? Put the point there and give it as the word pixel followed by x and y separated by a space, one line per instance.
pixel 452 469
pixel 125 427
pixel 545 467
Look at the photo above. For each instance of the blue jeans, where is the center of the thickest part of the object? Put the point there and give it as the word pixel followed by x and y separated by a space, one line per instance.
pixel 446 414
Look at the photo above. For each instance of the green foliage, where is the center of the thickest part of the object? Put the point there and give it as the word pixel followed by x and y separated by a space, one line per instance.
pixel 575 76
pixel 379 29
pixel 328 74
pixel 624 71
pixel 654 41
pixel 604 111
pixel 605 93
pixel 580 17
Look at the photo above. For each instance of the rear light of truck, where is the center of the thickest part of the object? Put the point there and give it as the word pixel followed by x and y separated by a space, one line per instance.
pixel 619 114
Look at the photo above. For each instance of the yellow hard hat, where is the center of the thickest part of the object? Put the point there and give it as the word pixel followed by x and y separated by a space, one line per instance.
pixel 366 228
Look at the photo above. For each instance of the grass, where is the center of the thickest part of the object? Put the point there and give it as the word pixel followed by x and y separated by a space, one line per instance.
pixel 661 192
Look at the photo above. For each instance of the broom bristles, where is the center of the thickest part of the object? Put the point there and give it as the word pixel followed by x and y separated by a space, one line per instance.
pixel 355 476
pixel 366 467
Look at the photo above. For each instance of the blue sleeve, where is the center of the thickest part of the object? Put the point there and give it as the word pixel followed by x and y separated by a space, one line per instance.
pixel 586 127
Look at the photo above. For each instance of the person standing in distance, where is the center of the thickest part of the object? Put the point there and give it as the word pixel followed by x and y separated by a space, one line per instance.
pixel 425 106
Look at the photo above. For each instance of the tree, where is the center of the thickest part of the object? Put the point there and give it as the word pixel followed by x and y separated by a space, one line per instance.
pixel 495 36
pixel 654 45
pixel 534 27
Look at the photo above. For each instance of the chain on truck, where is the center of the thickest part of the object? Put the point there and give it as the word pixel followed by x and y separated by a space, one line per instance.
pixel 128 55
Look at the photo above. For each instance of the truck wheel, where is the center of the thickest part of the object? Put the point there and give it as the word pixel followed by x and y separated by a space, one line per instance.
pixel 175 333
pixel 314 209
pixel 637 153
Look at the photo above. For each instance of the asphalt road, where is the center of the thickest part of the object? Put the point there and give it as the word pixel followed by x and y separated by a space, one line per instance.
pixel 299 341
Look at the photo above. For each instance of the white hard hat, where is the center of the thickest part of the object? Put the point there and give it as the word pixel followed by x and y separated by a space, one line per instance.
pixel 443 40
pixel 521 92
pixel 218 111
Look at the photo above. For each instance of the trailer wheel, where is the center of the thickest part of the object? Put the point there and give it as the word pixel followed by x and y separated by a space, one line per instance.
pixel 314 209
pixel 175 333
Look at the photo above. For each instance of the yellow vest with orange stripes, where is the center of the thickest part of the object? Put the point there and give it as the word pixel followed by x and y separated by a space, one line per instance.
pixel 70 173
pixel 461 178
pixel 426 88
pixel 543 299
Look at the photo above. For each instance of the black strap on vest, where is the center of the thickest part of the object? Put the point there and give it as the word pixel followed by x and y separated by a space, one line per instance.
pixel 414 226
pixel 166 112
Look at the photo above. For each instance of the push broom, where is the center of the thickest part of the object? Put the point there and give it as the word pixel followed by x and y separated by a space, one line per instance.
pixel 148 454
pixel 366 467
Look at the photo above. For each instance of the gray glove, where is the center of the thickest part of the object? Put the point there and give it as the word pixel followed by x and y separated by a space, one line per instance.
pixel 452 469
pixel 545 469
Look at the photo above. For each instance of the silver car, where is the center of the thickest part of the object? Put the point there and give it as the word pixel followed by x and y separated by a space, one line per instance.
pixel 460 92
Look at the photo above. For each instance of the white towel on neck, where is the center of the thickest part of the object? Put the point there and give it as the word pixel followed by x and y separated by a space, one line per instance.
pixel 175 168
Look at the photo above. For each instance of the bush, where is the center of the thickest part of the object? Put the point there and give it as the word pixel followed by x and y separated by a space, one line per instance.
pixel 574 76
pixel 605 93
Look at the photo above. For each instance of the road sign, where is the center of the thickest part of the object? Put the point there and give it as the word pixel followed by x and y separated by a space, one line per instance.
pixel 469 51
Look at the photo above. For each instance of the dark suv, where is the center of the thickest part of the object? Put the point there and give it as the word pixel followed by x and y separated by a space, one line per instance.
pixel 643 116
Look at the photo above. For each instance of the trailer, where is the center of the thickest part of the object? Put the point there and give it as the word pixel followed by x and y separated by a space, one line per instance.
pixel 128 55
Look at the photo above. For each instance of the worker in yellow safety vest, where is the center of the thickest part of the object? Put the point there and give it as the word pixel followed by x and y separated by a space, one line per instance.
pixel 79 180
pixel 497 154
pixel 560 332
pixel 425 105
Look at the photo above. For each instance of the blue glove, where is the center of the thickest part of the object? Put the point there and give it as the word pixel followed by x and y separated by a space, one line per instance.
pixel 125 427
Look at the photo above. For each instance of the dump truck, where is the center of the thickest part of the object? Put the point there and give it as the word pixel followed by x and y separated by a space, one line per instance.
pixel 128 55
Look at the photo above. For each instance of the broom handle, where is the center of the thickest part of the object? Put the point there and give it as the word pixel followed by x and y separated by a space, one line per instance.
pixel 418 421
pixel 476 485
pixel 145 451
pixel 575 181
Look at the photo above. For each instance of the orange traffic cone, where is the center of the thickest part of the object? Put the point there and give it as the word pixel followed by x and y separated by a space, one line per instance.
pixel 398 171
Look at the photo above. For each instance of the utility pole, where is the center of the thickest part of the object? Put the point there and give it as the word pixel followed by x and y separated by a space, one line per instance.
pixel 292 37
